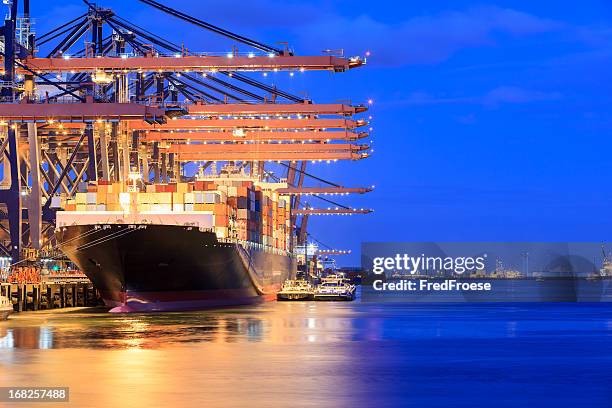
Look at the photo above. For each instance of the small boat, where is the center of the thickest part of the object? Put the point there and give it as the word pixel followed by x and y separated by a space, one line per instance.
pixel 297 289
pixel 6 308
pixel 335 287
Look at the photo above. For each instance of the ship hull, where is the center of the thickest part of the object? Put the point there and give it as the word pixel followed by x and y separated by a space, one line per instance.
pixel 334 297
pixel 144 268
pixel 290 297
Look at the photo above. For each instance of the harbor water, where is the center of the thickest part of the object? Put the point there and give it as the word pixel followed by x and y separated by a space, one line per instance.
pixel 348 354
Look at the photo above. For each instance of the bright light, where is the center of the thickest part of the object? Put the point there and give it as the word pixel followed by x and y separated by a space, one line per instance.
pixel 124 56
pixel 251 55
pixel 370 101
pixel 230 55
pixel 134 176
pixel 271 55
pixel 66 57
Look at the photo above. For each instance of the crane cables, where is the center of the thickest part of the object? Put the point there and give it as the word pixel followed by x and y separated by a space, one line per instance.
pixel 312 176
pixel 213 28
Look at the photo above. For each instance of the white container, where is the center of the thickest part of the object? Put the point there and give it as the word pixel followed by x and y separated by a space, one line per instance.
pixel 212 198
pixel 91 198
pixel 56 202
pixel 124 199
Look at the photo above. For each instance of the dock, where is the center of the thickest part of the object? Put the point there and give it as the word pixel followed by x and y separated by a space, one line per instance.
pixel 47 296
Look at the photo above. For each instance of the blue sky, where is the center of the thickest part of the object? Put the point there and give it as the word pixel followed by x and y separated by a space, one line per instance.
pixel 491 119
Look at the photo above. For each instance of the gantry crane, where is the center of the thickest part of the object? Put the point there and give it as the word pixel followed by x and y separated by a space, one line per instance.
pixel 109 96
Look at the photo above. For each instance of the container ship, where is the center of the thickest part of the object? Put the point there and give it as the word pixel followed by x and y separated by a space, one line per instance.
pixel 216 241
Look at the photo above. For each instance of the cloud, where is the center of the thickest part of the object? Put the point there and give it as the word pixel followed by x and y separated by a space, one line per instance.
pixel 468 119
pixel 516 95
pixel 425 98
pixel 425 39
pixel 495 97
pixel 233 14
pixel 314 26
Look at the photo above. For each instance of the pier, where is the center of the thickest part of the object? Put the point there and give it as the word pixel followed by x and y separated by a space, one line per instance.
pixel 45 296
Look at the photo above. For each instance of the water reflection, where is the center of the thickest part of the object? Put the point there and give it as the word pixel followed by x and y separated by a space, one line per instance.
pixel 277 323
pixel 27 338
pixel 317 354
pixel 130 331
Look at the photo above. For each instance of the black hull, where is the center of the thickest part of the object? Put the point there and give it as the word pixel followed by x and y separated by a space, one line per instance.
pixel 293 297
pixel 167 267
pixel 334 298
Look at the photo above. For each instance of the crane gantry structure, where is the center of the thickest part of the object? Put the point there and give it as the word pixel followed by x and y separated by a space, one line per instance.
pixel 109 96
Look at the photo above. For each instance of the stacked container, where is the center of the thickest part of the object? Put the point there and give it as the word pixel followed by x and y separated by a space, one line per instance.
pixel 243 210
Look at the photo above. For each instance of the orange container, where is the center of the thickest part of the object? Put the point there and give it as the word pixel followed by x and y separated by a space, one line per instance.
pixel 220 209
pixel 220 220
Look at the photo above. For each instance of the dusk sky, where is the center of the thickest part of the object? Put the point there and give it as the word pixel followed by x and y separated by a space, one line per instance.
pixel 491 119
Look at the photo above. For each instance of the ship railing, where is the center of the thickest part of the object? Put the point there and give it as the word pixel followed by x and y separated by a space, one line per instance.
pixel 255 245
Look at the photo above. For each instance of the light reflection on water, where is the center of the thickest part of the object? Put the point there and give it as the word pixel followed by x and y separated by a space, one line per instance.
pixel 318 354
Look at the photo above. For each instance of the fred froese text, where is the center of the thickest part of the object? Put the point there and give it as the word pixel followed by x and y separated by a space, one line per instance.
pixel 426 285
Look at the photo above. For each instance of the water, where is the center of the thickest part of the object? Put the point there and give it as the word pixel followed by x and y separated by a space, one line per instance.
pixel 319 354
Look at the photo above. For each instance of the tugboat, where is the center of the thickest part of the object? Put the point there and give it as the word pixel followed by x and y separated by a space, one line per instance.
pixel 335 287
pixel 6 308
pixel 298 289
